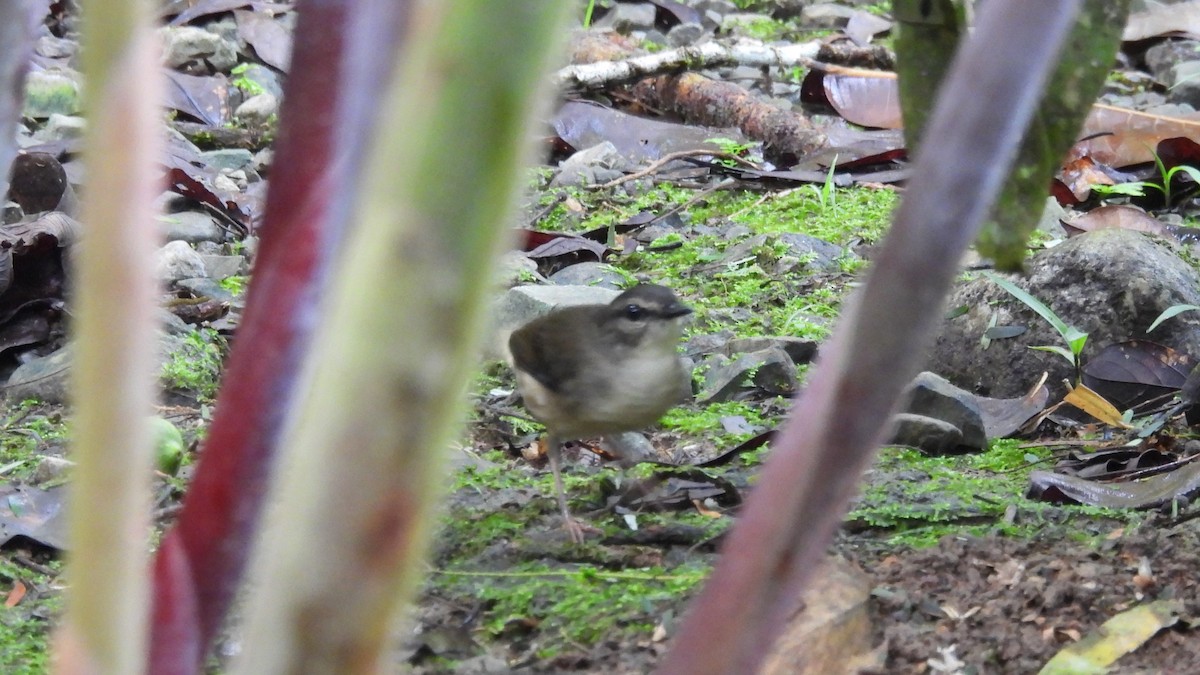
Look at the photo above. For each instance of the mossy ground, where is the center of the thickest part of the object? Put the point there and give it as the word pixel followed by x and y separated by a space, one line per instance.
pixel 514 565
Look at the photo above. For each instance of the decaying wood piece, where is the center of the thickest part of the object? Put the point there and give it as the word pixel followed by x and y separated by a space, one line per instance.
pixel 603 74
pixel 700 100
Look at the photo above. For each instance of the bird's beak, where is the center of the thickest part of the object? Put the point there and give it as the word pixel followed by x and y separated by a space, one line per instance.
pixel 676 309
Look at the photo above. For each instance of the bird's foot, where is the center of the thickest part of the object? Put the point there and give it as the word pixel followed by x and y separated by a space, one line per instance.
pixel 578 530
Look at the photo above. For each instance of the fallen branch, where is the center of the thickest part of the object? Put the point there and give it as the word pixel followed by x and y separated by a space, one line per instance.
pixel 603 74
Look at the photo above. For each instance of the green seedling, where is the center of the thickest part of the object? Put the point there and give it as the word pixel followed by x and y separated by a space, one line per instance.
pixel 825 194
pixel 1074 338
pixel 1171 312
pixel 1138 188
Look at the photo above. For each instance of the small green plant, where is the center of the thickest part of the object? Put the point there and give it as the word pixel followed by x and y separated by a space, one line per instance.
pixel 196 365
pixel 1171 312
pixel 1138 188
pixel 730 146
pixel 244 83
pixel 1074 338
pixel 825 193
pixel 235 284
pixel 587 14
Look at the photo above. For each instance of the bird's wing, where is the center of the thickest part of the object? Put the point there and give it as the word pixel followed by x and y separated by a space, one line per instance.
pixel 530 349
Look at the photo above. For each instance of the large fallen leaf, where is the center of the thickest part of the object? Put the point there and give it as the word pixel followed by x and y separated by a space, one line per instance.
pixel 1118 636
pixel 1145 493
pixel 831 630
pixel 866 97
pixel 1122 137
pixel 1094 404
pixel 1134 372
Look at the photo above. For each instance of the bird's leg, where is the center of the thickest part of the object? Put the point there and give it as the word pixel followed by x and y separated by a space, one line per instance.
pixel 554 454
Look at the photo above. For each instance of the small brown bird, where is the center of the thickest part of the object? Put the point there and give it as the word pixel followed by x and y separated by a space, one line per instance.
pixel 593 370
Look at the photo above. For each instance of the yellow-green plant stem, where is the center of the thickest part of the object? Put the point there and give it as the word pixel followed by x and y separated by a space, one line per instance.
pixel 115 345
pixel 390 367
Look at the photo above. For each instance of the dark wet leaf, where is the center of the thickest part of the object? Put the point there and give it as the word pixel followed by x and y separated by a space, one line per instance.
pixel 673 489
pixel 28 326
pixel 745 446
pixel 34 513
pixel 776 178
pixel 1004 416
pixel 196 186
pixel 1145 493
pixel 633 224
pixel 1004 332
pixel 1134 372
pixel 204 97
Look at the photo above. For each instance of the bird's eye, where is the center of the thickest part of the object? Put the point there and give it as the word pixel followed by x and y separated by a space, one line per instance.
pixel 634 313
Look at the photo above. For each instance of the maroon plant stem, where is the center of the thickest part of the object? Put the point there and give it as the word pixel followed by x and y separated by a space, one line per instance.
pixel 989 97
pixel 326 114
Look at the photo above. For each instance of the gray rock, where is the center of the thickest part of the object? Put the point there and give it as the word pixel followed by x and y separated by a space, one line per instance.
pixel 60 128
pixel 631 447
pixel 1184 84
pixel 597 164
pixel 45 378
pixel 826 15
pixel 222 266
pixel 786 252
pixel 12 213
pixel 685 34
pixel 708 343
pixel 930 395
pixel 258 109
pixel 188 46
pixel 516 268
pixel 48 92
pixel 205 287
pixel 171 324
pixel 191 226
pixel 589 274
pixel 55 47
pixel 51 468
pixel 1162 57
pixel 178 260
pixel 798 350
pixel 929 435
pixel 522 304
pixel 628 17
pixel 726 379
pixel 263 159
pixel 777 373
pixel 1111 284
pixel 230 159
